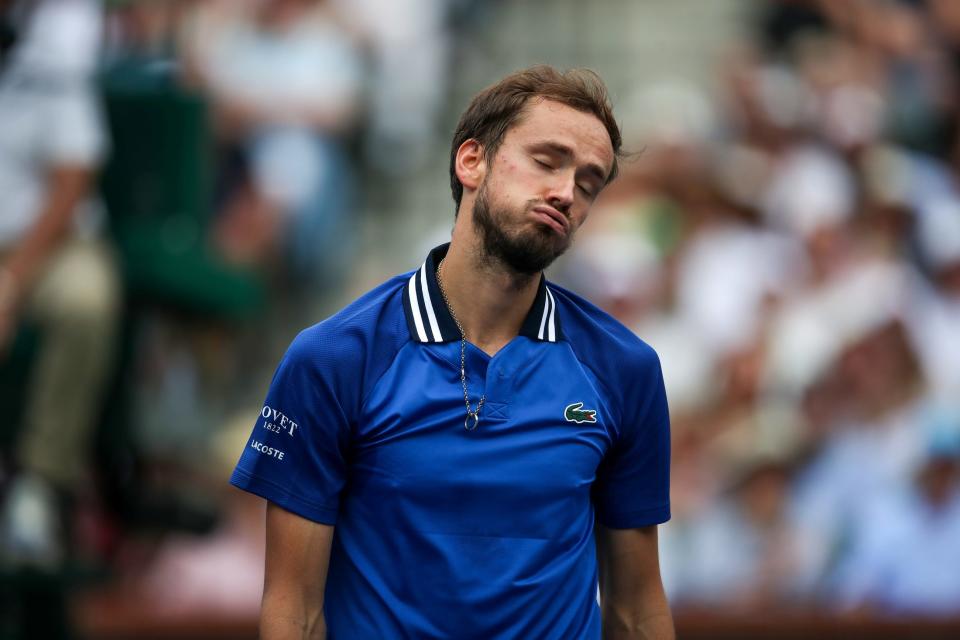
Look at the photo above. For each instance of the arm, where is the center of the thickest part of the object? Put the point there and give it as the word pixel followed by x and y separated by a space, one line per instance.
pixel 634 605
pixel 67 186
pixel 298 552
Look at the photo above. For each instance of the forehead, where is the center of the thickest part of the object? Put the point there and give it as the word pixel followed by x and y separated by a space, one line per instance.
pixel 546 121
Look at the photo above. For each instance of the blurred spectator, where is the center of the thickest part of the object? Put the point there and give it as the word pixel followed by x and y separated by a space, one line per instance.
pixel 285 79
pixel 745 552
pixel 934 315
pixel 55 270
pixel 901 555
pixel 755 265
pixel 871 446
pixel 409 47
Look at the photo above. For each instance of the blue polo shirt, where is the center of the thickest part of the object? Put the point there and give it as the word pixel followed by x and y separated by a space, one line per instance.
pixel 441 532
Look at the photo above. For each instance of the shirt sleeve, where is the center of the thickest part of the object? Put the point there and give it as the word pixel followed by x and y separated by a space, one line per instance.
pixel 633 482
pixel 76 134
pixel 296 455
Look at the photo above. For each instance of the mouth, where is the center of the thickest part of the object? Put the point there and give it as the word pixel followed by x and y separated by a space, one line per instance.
pixel 552 218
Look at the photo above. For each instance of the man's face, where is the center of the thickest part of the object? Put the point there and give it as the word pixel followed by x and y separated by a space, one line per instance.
pixel 540 184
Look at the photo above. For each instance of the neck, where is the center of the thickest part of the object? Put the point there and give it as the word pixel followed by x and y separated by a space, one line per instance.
pixel 488 298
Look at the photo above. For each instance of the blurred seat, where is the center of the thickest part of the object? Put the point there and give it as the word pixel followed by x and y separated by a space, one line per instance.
pixel 157 186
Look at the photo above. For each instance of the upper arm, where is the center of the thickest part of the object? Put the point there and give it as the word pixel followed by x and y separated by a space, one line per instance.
pixel 298 554
pixel 67 185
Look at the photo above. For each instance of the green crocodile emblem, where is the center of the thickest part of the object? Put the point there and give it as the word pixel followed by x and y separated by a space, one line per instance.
pixel 575 413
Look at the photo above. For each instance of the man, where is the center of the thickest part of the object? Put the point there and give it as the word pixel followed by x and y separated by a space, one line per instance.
pixel 55 271
pixel 435 455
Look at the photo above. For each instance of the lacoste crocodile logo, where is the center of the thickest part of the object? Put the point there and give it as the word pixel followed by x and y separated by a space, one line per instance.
pixel 575 413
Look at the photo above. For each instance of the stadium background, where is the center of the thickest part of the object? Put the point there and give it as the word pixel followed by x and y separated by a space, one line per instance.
pixel 787 238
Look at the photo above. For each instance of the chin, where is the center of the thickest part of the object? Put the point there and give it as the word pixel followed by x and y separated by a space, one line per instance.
pixel 533 251
pixel 523 247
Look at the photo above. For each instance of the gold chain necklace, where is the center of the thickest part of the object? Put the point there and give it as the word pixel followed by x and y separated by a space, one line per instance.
pixel 473 415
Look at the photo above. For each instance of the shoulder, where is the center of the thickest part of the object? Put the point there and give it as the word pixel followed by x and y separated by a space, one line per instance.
pixel 360 338
pixel 624 365
pixel 599 338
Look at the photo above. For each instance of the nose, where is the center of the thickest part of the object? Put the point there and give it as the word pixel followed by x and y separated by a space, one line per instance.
pixel 561 192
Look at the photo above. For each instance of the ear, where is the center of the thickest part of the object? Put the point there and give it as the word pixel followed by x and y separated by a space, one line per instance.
pixel 470 164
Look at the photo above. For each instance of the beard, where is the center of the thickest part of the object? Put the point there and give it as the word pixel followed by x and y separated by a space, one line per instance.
pixel 527 250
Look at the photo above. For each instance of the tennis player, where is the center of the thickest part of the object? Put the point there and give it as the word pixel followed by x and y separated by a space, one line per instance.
pixel 469 451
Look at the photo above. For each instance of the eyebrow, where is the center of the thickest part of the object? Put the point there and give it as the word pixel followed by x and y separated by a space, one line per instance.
pixel 564 150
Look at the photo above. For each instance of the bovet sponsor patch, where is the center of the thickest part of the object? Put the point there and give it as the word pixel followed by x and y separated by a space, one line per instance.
pixel 276 421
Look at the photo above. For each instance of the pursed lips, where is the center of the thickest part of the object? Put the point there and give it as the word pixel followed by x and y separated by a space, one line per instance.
pixel 554 215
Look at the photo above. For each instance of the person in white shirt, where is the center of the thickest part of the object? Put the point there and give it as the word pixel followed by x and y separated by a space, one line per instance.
pixel 56 272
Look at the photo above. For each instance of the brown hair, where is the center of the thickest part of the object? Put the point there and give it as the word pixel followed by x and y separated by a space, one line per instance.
pixel 494 110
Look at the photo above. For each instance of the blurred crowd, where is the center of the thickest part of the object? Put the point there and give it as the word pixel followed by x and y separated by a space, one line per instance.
pixel 788 240
pixel 790 245
pixel 296 89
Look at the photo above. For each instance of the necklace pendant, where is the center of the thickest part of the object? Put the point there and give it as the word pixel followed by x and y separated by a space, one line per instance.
pixel 472 420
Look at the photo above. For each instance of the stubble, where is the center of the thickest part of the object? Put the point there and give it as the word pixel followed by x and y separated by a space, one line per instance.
pixel 526 250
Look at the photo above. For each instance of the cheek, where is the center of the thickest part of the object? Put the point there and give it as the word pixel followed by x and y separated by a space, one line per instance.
pixel 510 178
pixel 510 170
pixel 579 216
pixel 509 181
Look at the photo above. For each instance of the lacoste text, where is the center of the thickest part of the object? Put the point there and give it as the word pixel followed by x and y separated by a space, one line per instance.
pixel 267 451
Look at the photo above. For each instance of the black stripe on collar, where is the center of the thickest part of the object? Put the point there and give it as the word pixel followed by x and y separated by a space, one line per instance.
pixel 429 319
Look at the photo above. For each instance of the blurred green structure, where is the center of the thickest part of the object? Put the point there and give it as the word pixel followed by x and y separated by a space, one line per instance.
pixel 157 186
